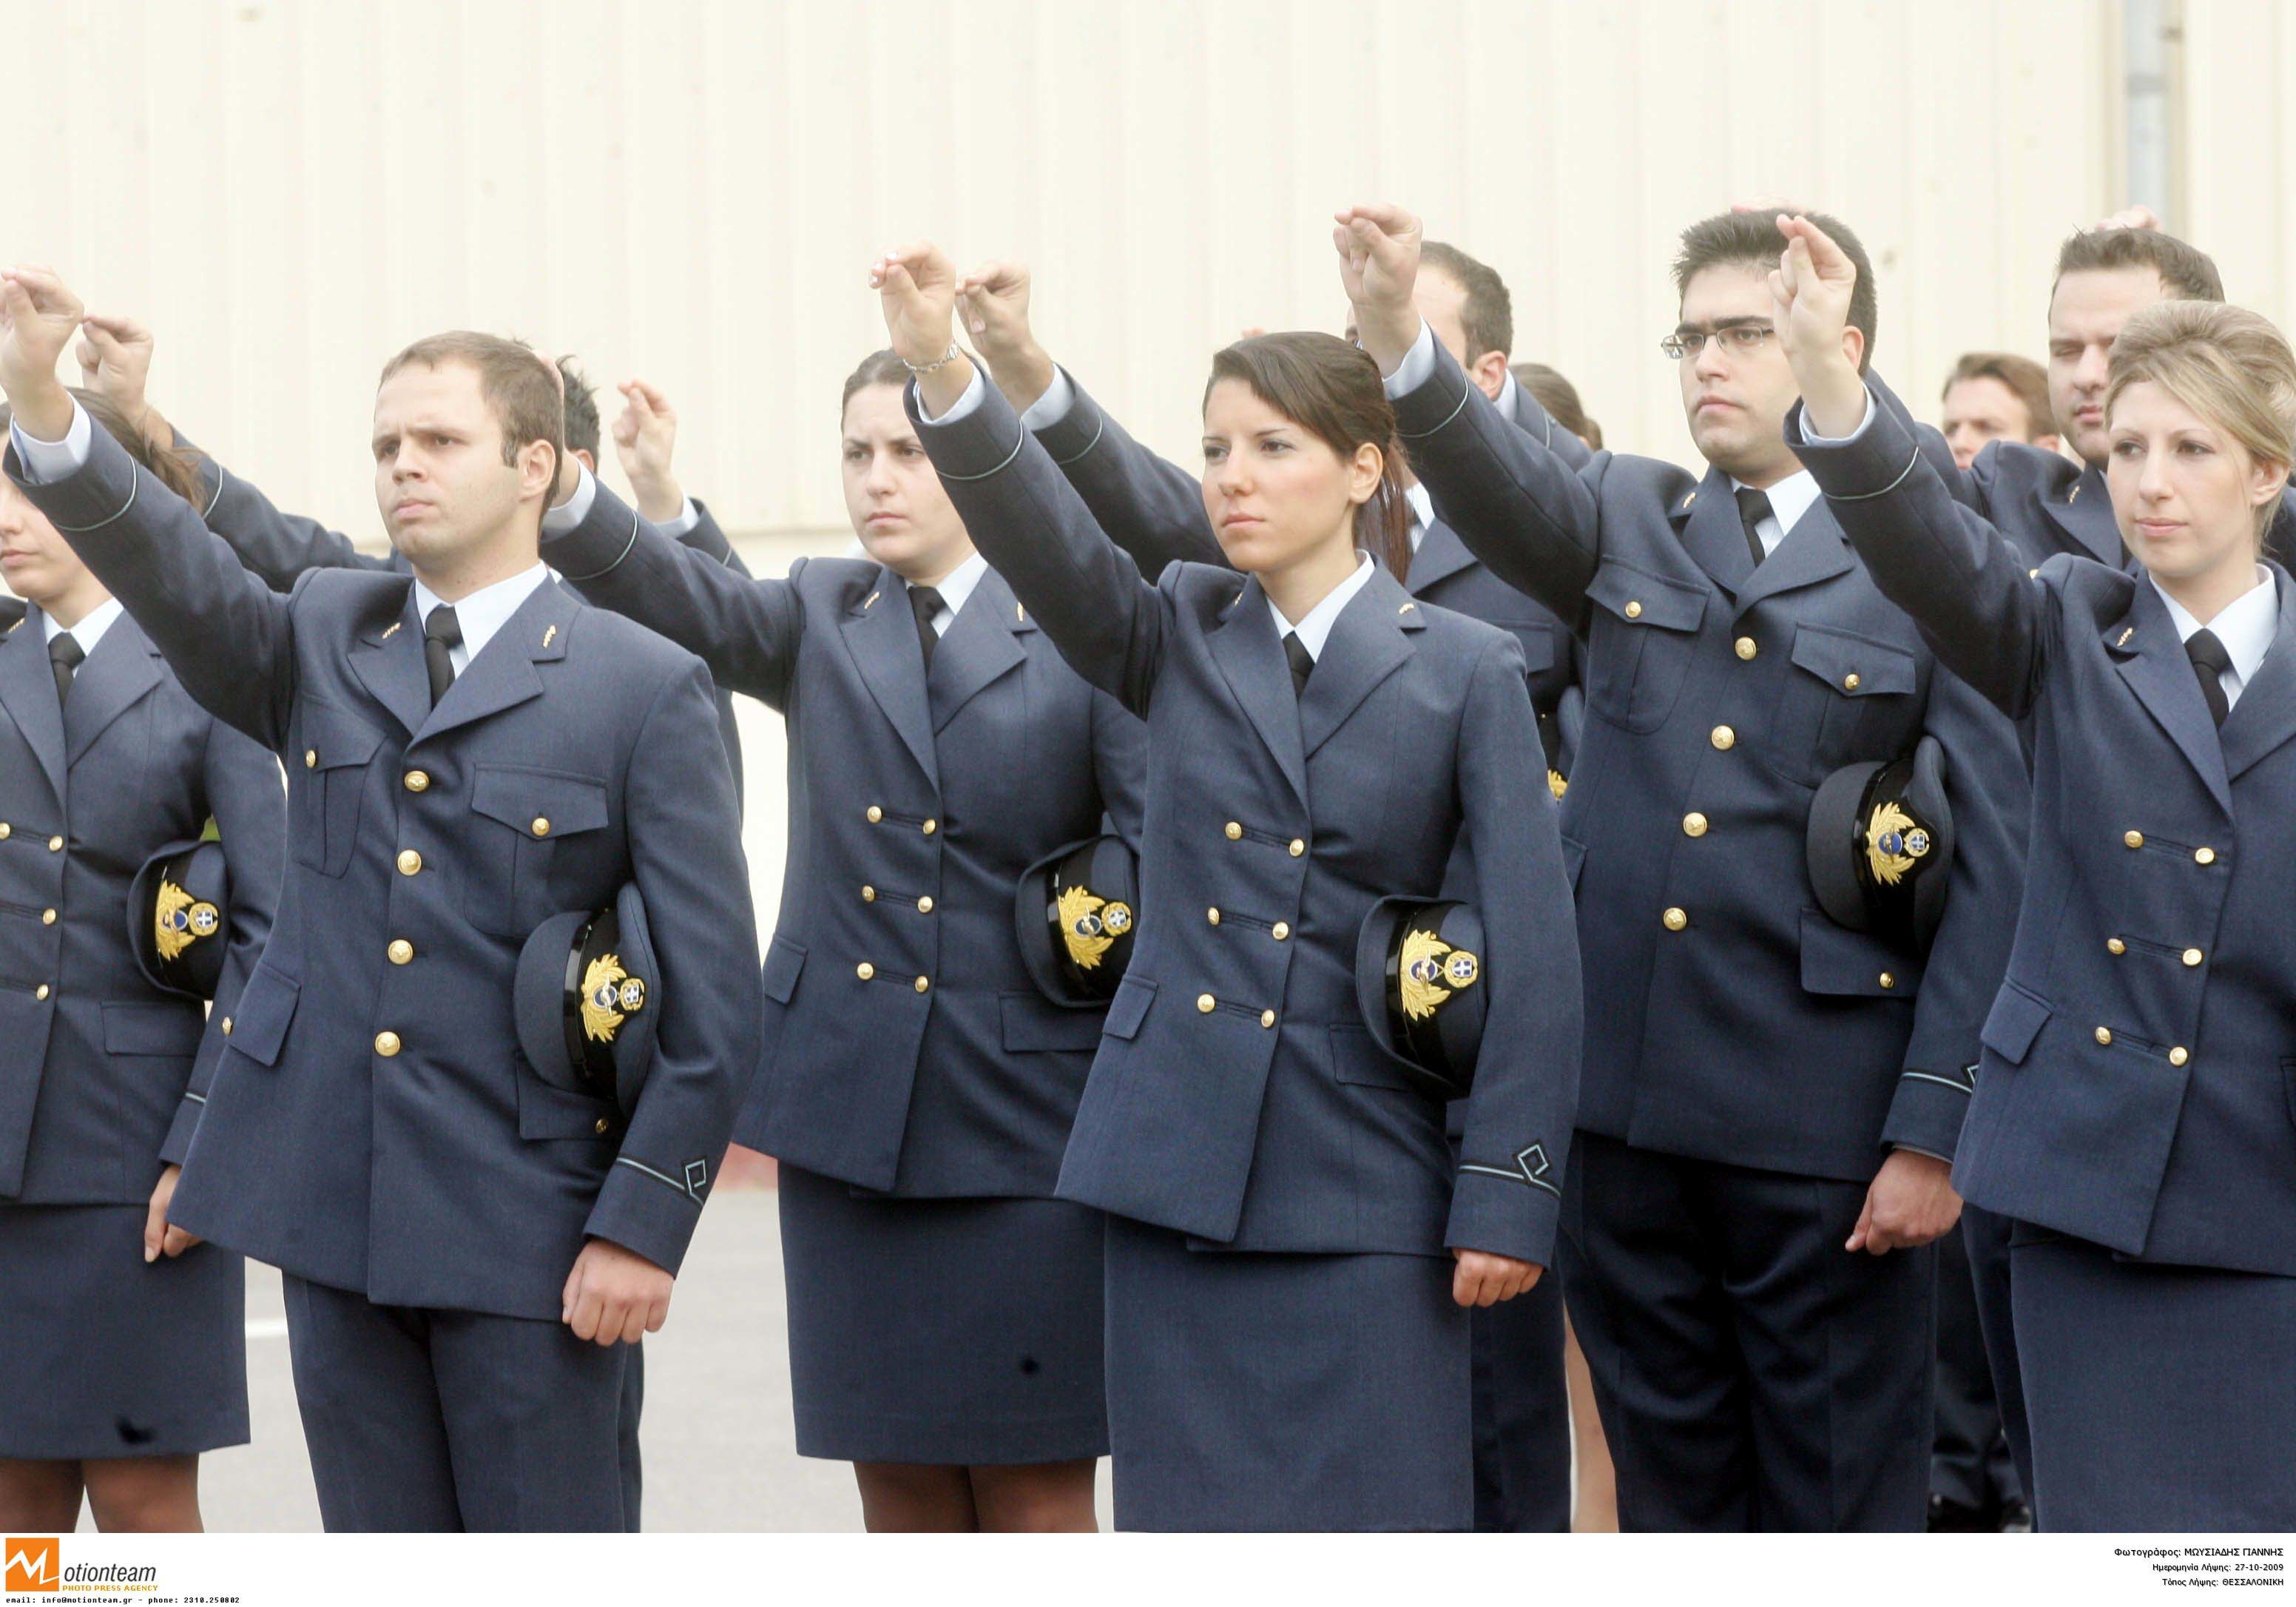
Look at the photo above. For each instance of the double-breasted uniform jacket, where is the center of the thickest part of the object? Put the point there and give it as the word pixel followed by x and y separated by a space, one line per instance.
pixel 281 547
pixel 1154 509
pixel 102 1074
pixel 374 1127
pixel 2138 1084
pixel 1737 1023
pixel 905 1048
pixel 1237 1096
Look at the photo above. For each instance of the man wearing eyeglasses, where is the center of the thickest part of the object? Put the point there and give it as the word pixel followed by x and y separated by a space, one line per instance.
pixel 1770 1096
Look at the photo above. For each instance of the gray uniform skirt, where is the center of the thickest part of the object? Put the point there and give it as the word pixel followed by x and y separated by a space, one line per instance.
pixel 104 1356
pixel 949 1332
pixel 1255 1391
pixel 2160 1399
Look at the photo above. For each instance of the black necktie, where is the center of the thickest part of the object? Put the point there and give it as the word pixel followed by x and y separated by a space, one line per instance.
pixel 65 655
pixel 1302 663
pixel 1753 507
pixel 926 602
pixel 2209 662
pixel 440 632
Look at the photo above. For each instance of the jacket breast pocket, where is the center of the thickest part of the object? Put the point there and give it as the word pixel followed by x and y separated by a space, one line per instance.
pixel 1033 1023
pixel 1642 632
pixel 1129 1008
pixel 1841 695
pixel 266 1009
pixel 524 818
pixel 327 783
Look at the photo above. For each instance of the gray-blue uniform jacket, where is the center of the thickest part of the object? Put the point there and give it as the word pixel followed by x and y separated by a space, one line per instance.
pixel 2138 1087
pixel 102 1075
pixel 1729 1020
pixel 280 548
pixel 1154 509
pixel 374 1127
pixel 1237 1096
pixel 906 1049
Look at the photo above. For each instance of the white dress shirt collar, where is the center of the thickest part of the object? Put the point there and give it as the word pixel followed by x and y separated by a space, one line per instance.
pixel 1315 629
pixel 1789 499
pixel 482 613
pixel 954 587
pixel 2246 626
pixel 1423 512
pixel 91 627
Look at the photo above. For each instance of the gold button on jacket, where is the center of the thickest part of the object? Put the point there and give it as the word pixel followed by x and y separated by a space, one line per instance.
pixel 1723 737
pixel 1677 919
pixel 400 951
pixel 385 1044
pixel 418 780
pixel 409 862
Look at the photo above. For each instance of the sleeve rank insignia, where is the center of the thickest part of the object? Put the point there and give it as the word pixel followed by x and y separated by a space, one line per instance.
pixel 610 996
pixel 1432 972
pixel 1089 923
pixel 178 922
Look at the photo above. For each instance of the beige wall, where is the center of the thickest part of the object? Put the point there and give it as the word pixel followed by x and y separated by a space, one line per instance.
pixel 690 191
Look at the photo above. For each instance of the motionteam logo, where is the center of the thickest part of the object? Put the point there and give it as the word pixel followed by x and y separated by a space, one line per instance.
pixel 30 1565
pixel 34 1567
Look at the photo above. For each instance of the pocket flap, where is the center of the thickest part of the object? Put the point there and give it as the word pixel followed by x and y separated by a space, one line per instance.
pixel 784 960
pixel 522 799
pixel 1129 1008
pixel 153 1028
pixel 1853 666
pixel 267 1008
pixel 545 1110
pixel 1032 1022
pixel 2014 1021
pixel 1357 1060
pixel 335 737
pixel 1853 964
pixel 1640 599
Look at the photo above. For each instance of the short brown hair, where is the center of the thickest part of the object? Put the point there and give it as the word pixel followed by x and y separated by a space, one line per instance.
pixel 1560 398
pixel 2026 380
pixel 1751 239
pixel 2227 363
pixel 2186 272
pixel 878 368
pixel 1486 310
pixel 173 469
pixel 1330 389
pixel 513 380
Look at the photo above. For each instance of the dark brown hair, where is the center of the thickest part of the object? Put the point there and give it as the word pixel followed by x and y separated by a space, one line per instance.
pixel 878 368
pixel 514 380
pixel 172 469
pixel 2026 380
pixel 1751 239
pixel 1331 390
pixel 1560 398
pixel 581 408
pixel 2186 272
pixel 1486 312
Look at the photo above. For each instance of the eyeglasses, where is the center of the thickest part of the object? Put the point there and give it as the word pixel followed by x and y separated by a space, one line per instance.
pixel 1738 340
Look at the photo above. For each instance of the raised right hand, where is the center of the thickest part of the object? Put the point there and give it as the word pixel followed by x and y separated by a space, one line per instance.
pixel 918 286
pixel 115 361
pixel 1379 267
pixel 38 316
pixel 645 438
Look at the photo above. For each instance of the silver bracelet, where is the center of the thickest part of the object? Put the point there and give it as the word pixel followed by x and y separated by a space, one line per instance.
pixel 947 357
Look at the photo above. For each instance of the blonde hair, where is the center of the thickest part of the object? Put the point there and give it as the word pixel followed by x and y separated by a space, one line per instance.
pixel 2227 363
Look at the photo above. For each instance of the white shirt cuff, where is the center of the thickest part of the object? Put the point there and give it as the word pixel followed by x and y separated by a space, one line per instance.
pixel 45 461
pixel 688 516
pixel 1418 364
pixel 1815 440
pixel 964 405
pixel 569 514
pixel 1056 404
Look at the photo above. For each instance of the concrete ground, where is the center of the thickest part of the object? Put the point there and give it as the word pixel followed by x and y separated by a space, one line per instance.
pixel 720 1450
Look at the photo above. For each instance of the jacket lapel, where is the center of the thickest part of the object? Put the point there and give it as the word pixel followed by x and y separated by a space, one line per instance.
pixel 881 634
pixel 2150 658
pixel 1366 646
pixel 28 689
pixel 1813 550
pixel 981 645
pixel 1441 554
pixel 1251 657
pixel 2085 514
pixel 1711 533
pixel 501 674
pixel 388 660
pixel 2265 718
pixel 124 668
